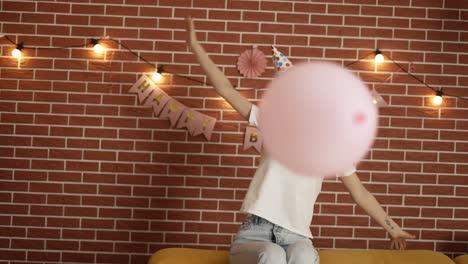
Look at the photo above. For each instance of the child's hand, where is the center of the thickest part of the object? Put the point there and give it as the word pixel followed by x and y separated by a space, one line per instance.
pixel 191 37
pixel 398 240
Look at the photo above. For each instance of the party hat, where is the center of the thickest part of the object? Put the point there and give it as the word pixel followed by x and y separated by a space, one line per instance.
pixel 281 62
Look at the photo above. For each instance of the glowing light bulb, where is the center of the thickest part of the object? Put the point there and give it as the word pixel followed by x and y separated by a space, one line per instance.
pixel 379 58
pixel 157 77
pixel 374 101
pixel 98 48
pixel 16 53
pixel 437 100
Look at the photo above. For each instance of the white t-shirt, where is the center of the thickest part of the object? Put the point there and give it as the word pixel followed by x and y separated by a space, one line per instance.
pixel 281 196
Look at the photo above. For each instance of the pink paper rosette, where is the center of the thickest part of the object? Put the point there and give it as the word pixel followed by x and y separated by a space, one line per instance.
pixel 252 63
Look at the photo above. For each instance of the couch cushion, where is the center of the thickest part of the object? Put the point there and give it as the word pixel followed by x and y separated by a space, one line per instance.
pixel 383 257
pixel 463 259
pixel 189 256
pixel 203 256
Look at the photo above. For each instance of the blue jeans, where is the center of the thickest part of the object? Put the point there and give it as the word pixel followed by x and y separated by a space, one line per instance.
pixel 260 242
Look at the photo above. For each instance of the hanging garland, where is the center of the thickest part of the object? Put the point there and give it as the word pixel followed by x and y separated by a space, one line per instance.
pixel 251 63
pixel 166 107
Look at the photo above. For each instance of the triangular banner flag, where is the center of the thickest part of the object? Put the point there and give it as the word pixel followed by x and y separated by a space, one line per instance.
pixel 143 87
pixel 172 111
pixel 187 119
pixel 166 107
pixel 158 99
pixel 377 99
pixel 253 138
pixel 203 125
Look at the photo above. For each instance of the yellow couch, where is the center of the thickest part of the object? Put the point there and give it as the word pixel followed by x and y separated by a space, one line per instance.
pixel 461 259
pixel 203 256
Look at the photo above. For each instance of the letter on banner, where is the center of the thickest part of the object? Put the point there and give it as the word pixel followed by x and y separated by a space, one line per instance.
pixel 172 111
pixel 144 86
pixel 158 99
pixel 204 125
pixel 253 138
pixel 187 119
pixel 167 107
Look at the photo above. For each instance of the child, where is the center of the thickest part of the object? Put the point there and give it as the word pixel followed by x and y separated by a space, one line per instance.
pixel 278 201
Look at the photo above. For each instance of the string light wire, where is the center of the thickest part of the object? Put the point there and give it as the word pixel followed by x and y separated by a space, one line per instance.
pixel 360 59
pixel 435 90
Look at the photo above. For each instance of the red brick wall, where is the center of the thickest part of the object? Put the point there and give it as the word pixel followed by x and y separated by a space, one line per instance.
pixel 88 175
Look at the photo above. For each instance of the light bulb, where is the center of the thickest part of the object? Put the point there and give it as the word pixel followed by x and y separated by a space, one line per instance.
pixel 379 58
pixel 374 101
pixel 157 77
pixel 437 100
pixel 16 53
pixel 98 48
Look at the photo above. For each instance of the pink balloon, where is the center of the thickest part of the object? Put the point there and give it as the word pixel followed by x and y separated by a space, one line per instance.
pixel 317 119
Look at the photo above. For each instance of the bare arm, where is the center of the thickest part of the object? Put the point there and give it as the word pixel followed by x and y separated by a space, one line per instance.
pixel 215 75
pixel 367 201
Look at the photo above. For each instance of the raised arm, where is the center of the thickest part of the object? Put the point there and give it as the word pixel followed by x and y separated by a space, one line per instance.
pixel 215 75
pixel 367 201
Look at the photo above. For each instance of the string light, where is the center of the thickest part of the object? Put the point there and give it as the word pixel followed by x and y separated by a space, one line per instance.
pixel 98 48
pixel 379 57
pixel 437 100
pixel 17 51
pixel 157 75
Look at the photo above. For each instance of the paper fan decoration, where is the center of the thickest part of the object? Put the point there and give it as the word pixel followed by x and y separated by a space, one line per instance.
pixel 252 63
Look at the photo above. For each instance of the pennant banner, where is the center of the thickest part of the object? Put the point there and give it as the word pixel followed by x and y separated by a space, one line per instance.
pixel 195 127
pixel 187 119
pixel 172 111
pixel 157 99
pixel 143 87
pixel 203 125
pixel 253 138
pixel 180 116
